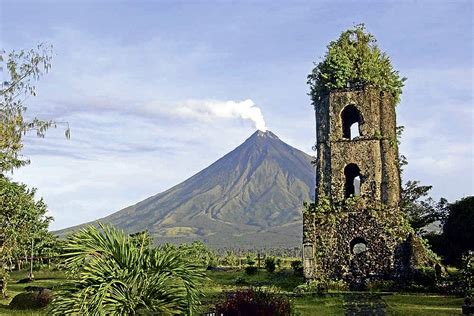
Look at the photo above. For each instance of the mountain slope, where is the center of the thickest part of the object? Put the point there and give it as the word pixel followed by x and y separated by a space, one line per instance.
pixel 251 197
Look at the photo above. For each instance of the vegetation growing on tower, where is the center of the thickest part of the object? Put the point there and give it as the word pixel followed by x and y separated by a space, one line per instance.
pixel 354 61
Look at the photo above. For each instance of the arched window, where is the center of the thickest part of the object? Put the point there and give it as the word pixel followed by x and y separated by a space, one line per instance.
pixel 358 245
pixel 351 120
pixel 352 181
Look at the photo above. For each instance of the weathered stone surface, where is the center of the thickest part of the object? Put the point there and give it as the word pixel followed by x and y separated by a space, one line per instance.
pixel 374 150
pixel 373 220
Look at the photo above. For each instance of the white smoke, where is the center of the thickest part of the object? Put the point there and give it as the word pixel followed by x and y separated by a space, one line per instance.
pixel 207 110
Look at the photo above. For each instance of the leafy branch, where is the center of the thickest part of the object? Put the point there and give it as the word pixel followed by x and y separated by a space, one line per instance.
pixel 353 62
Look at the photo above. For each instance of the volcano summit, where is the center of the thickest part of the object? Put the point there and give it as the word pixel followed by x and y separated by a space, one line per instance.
pixel 251 197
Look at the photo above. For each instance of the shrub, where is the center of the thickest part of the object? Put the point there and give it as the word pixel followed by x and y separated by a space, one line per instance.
pixel 240 281
pixel 315 287
pixel 252 302
pixel 114 276
pixel 337 285
pixel 278 262
pixel 31 300
pixel 297 267
pixel 270 264
pixel 354 61
pixel 250 260
pixel 425 278
pixel 381 285
pixel 250 270
pixel 229 259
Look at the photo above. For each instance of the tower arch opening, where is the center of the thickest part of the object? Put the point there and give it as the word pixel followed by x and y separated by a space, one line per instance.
pixel 352 180
pixel 351 121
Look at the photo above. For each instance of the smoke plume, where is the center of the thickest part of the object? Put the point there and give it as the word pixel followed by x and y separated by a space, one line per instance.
pixel 208 110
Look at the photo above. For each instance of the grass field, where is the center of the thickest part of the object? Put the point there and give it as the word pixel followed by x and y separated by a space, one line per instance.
pixel 333 303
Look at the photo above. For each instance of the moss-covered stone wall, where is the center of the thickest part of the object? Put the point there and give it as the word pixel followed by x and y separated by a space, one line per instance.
pixel 362 237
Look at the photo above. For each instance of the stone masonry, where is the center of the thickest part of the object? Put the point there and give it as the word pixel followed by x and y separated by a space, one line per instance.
pixel 359 236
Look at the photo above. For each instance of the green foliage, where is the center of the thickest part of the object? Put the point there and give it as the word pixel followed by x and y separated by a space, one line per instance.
pixel 297 267
pixel 22 68
pixel 23 219
pixel 229 259
pixel 115 276
pixel 331 215
pixel 31 300
pixel 196 252
pixel 419 209
pixel 251 270
pixel 270 264
pixel 458 231
pixel 467 271
pixel 354 62
pixel 141 239
pixel 251 259
pixel 315 287
pixel 381 285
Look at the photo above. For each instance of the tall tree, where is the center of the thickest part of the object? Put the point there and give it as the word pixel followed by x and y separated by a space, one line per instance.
pixel 458 230
pixel 21 69
pixel 420 209
pixel 22 220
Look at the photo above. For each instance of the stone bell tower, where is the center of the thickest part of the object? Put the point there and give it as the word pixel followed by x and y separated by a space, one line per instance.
pixel 370 155
pixel 354 230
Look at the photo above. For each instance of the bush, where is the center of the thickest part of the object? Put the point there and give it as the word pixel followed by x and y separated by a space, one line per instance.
pixel 381 285
pixel 115 276
pixel 240 281
pixel 354 61
pixel 252 302
pixel 250 260
pixel 229 259
pixel 250 270
pixel 425 278
pixel 337 285
pixel 270 264
pixel 297 267
pixel 315 287
pixel 32 300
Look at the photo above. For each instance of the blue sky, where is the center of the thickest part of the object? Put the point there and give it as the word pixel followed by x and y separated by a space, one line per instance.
pixel 155 91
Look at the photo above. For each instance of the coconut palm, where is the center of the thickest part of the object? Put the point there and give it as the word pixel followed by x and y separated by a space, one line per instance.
pixel 114 276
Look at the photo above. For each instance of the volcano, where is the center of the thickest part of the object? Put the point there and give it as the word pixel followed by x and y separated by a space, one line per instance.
pixel 250 198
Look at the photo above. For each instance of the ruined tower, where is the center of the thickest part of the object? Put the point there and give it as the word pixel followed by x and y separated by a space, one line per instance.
pixel 354 231
pixel 370 155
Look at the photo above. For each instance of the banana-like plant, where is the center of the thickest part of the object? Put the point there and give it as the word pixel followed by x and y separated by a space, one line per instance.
pixel 111 275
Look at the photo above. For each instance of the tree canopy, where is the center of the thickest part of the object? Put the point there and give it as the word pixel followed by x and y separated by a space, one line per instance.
pixel 354 61
pixel 420 209
pixel 22 219
pixel 458 230
pixel 22 69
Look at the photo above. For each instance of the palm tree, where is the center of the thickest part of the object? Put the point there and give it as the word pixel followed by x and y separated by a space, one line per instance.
pixel 115 276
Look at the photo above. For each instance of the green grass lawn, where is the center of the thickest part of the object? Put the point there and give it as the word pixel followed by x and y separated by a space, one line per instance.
pixel 48 279
pixel 334 303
